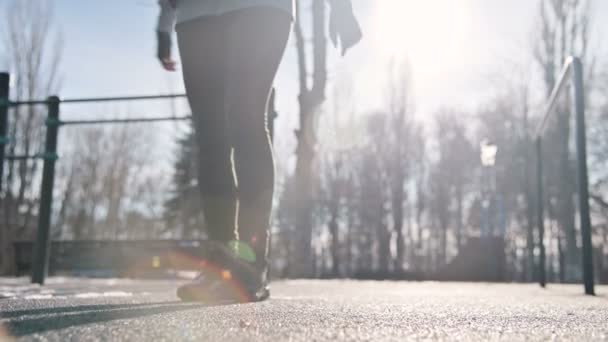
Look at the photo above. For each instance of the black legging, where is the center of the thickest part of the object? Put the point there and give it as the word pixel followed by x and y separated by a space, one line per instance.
pixel 229 64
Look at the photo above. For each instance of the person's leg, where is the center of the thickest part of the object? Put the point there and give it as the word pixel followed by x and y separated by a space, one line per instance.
pixel 229 67
pixel 256 42
pixel 202 49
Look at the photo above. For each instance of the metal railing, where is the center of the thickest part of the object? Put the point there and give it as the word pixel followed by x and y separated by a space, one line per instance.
pixel 41 251
pixel 572 73
pixel 49 156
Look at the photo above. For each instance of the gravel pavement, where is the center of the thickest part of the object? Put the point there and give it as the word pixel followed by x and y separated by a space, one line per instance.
pixel 302 310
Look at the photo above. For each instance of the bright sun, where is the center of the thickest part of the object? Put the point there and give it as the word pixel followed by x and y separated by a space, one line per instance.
pixel 428 32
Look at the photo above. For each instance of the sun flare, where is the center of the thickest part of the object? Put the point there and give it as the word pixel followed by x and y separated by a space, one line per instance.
pixel 427 31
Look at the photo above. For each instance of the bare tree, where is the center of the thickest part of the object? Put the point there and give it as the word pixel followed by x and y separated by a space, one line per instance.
pixel 450 177
pixel 400 132
pixel 439 191
pixel 33 46
pixel 310 99
pixel 420 171
pixel 375 233
pixel 112 188
pixel 334 167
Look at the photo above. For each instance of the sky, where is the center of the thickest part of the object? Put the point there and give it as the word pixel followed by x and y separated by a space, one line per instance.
pixel 456 48
pixel 109 47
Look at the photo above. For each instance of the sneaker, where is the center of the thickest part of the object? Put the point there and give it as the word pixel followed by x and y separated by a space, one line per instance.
pixel 225 278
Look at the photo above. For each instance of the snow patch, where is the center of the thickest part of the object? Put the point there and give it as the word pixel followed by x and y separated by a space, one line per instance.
pixel 103 294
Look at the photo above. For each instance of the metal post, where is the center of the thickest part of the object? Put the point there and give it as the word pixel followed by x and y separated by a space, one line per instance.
pixel 540 212
pixel 41 251
pixel 4 93
pixel 583 182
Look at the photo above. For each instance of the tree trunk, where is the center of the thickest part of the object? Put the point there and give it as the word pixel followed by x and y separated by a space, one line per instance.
pixel 459 215
pixel 7 256
pixel 335 242
pixel 398 223
pixel 384 241
pixel 530 205
pixel 561 258
pixel 309 100
pixel 566 212
pixel 443 239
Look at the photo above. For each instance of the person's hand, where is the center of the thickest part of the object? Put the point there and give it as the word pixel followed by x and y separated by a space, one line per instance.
pixel 164 51
pixel 344 28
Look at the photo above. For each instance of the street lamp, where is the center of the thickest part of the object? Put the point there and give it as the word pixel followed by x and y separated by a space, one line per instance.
pixel 492 211
pixel 488 153
pixel 488 185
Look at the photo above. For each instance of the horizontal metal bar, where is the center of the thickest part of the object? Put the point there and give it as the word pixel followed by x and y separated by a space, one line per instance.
pixel 97 99
pixel 25 103
pixel 124 98
pixel 554 95
pixel 123 121
pixel 24 157
pixel 34 156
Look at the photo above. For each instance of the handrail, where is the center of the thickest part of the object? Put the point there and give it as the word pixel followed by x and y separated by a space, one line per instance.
pixel 123 121
pixel 53 123
pixel 97 99
pixel 561 82
pixel 574 68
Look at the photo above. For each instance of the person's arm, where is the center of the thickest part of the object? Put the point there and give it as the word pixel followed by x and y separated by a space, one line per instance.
pixel 344 28
pixel 164 30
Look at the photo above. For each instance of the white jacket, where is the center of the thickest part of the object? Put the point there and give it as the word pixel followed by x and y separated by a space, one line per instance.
pixel 179 11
